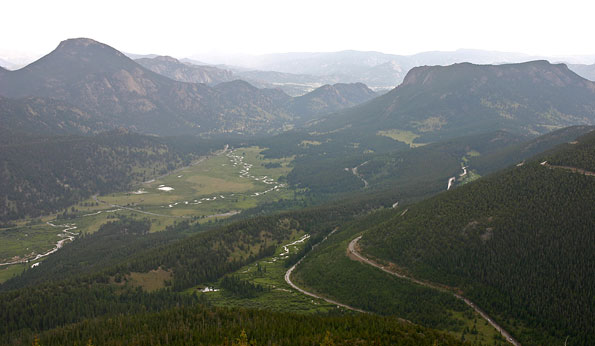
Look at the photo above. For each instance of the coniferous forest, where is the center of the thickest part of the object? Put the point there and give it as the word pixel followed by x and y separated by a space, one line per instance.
pixel 507 234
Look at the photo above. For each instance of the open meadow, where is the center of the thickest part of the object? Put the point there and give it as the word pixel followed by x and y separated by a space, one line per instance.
pixel 212 188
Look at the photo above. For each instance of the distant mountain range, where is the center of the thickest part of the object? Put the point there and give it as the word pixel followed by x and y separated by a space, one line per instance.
pixel 191 71
pixel 586 71
pixel 299 73
pixel 441 102
pixel 100 88
pixel 380 70
pixel 84 86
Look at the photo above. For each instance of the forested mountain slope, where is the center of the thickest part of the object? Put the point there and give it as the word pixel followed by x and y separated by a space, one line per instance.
pixel 437 102
pixel 47 116
pixel 383 164
pixel 519 243
pixel 46 174
pixel 579 153
pixel 330 98
pixel 426 167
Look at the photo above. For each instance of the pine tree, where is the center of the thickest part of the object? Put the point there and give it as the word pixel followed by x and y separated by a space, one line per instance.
pixel 328 340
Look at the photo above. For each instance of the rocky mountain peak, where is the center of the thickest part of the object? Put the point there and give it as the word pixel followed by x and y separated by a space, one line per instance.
pixel 166 58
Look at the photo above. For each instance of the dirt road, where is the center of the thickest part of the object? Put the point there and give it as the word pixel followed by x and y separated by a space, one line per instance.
pixel 356 255
pixel 569 168
pixel 294 286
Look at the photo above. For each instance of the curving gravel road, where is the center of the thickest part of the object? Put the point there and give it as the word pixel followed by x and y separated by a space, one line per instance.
pixel 355 255
pixel 294 286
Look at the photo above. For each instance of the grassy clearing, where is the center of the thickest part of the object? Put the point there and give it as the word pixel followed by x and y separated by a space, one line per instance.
pixel 7 272
pixel 151 281
pixel 469 177
pixel 269 272
pixel 404 136
pixel 19 242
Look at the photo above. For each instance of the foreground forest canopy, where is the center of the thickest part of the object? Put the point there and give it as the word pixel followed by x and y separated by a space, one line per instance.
pixel 199 325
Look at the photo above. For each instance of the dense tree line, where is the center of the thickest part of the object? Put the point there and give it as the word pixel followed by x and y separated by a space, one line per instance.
pixel 200 325
pixel 196 256
pixel 35 309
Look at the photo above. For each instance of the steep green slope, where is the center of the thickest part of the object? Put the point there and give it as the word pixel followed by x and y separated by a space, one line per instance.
pixel 519 243
pixel 579 153
pixel 434 163
pixel 329 272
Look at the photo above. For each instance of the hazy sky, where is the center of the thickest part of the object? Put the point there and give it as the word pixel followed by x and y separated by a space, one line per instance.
pixel 185 28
